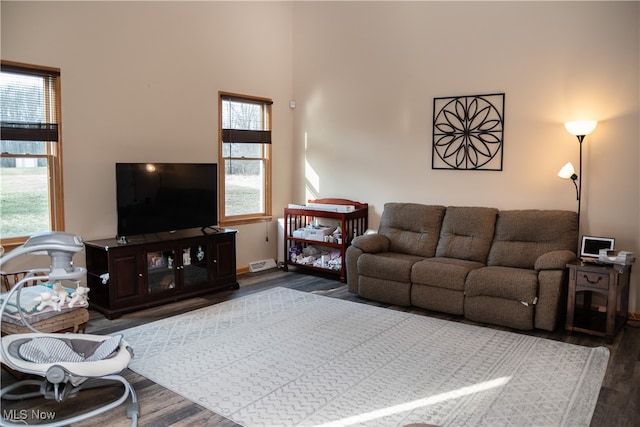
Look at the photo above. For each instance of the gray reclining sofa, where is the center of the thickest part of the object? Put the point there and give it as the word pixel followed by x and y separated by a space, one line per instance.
pixel 501 267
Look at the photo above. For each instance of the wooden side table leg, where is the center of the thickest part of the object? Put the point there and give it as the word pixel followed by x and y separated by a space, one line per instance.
pixel 624 295
pixel 571 301
pixel 612 297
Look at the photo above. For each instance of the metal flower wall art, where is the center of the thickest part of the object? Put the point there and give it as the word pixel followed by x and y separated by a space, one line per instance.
pixel 468 132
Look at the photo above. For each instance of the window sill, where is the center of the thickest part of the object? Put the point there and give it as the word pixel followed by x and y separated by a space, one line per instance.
pixel 245 220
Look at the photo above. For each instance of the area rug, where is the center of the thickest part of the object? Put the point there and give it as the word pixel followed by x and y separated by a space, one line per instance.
pixel 289 358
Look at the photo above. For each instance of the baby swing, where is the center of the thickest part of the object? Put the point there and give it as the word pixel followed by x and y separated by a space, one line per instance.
pixel 67 362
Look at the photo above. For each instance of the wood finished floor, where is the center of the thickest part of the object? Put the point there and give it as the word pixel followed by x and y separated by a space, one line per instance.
pixel 618 404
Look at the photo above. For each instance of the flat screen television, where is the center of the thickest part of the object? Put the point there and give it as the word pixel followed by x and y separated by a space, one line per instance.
pixel 157 197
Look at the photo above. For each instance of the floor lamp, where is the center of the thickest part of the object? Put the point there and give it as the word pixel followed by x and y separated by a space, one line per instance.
pixel 580 129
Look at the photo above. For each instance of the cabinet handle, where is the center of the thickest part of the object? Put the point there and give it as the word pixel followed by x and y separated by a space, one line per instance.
pixel 139 274
pixel 593 282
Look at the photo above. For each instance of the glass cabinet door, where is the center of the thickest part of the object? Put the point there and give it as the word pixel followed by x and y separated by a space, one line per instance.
pixel 195 269
pixel 161 270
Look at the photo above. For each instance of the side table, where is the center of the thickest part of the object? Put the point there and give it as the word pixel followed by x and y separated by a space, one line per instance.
pixel 609 280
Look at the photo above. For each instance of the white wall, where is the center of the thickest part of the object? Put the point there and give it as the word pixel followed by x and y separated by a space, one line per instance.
pixel 366 73
pixel 140 82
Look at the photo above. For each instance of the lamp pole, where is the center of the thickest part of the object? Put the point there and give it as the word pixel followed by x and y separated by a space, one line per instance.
pixel 580 139
pixel 580 128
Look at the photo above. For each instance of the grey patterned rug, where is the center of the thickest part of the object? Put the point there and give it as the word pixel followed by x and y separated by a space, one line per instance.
pixel 288 358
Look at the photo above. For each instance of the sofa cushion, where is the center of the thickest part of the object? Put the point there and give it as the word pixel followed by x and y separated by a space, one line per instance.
pixel 498 311
pixel 389 291
pixel 437 299
pixel 387 265
pixel 503 282
pixel 449 273
pixel 521 236
pixel 467 233
pixel 412 228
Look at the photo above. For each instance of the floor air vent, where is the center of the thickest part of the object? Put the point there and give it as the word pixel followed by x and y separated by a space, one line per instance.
pixel 265 264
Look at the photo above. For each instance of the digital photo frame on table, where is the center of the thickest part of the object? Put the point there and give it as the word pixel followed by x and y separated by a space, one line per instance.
pixel 591 245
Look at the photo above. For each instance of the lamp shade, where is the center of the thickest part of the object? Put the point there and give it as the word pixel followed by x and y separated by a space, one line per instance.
pixel 581 127
pixel 567 171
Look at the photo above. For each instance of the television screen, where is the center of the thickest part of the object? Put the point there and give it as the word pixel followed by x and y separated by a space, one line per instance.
pixel 155 197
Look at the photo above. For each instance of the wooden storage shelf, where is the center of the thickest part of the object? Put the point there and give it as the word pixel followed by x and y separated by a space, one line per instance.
pixel 159 268
pixel 351 224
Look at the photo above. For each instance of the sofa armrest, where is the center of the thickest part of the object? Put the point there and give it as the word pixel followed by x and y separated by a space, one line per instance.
pixel 554 260
pixel 371 243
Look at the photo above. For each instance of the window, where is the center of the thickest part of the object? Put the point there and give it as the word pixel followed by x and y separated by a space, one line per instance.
pixel 30 164
pixel 245 158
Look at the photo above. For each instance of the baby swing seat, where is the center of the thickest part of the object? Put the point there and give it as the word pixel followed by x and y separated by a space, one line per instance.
pixel 67 362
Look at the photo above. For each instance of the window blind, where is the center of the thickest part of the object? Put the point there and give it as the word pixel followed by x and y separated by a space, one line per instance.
pixel 240 126
pixel 240 136
pixel 27 107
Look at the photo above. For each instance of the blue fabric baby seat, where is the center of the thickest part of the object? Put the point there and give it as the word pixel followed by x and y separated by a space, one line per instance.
pixel 66 362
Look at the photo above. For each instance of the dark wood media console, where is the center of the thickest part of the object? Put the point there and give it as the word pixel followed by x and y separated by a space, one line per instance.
pixel 156 269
